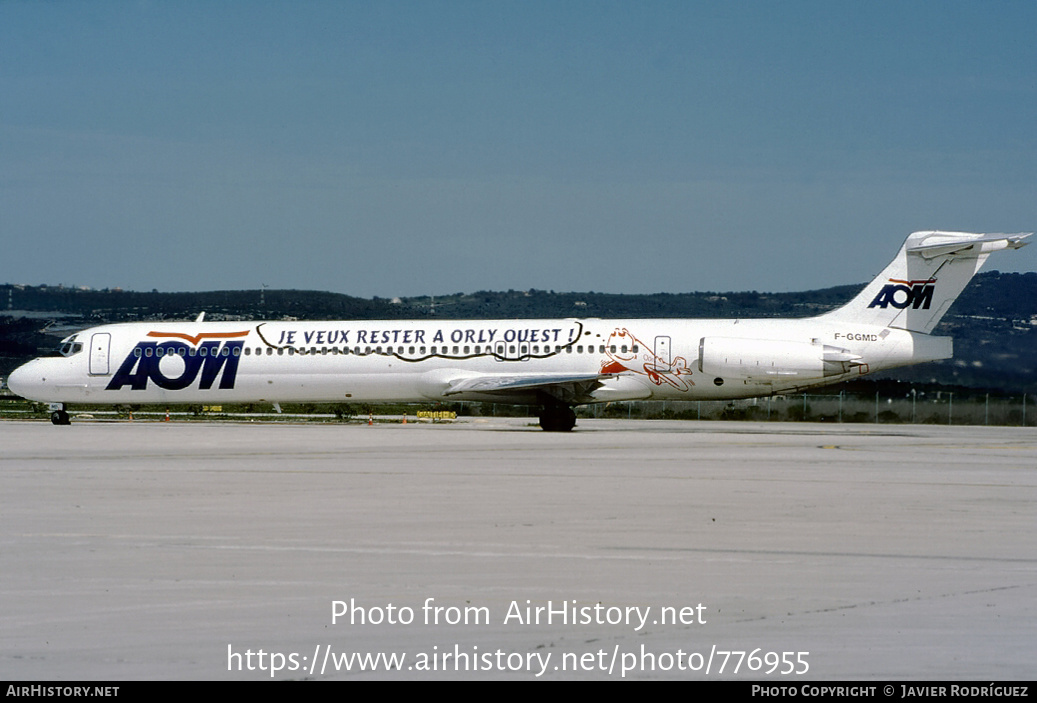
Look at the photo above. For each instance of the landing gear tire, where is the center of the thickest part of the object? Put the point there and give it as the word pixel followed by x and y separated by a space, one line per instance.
pixel 60 417
pixel 559 418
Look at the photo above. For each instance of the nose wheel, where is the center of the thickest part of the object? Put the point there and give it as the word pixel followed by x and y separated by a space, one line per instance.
pixel 58 415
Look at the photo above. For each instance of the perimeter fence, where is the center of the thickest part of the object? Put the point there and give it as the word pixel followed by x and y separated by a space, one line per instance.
pixel 940 408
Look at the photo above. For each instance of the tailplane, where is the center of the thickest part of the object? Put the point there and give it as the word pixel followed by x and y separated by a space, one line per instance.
pixel 919 285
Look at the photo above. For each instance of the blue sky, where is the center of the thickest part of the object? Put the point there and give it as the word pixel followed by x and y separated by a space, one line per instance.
pixel 408 148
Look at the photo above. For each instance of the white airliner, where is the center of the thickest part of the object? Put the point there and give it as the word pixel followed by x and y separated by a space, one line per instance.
pixel 552 364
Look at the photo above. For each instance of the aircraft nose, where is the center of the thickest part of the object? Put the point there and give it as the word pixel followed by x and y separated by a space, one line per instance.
pixel 20 380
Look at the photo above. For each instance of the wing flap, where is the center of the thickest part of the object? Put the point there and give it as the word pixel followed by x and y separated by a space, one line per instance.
pixel 505 383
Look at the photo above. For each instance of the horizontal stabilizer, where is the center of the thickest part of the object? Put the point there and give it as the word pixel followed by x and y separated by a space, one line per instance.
pixel 960 244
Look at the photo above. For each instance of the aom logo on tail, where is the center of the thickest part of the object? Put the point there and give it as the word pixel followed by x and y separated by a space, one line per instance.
pixel 900 294
pixel 183 362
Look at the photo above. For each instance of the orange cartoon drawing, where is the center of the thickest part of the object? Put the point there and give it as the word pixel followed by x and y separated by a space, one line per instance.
pixel 628 353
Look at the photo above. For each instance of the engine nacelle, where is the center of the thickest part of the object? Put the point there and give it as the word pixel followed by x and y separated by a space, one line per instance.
pixel 771 359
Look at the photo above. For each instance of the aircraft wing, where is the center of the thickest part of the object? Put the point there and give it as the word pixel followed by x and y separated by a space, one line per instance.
pixel 558 385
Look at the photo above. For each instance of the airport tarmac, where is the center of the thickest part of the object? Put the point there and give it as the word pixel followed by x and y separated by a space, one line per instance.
pixel 488 549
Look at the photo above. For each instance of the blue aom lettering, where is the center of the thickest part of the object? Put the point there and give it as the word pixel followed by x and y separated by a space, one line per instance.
pixel 209 358
pixel 920 295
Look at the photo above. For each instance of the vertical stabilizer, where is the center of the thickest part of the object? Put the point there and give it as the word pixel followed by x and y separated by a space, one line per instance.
pixel 929 272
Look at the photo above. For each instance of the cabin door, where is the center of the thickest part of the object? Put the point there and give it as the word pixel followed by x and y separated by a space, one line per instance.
pixel 99 345
pixel 662 354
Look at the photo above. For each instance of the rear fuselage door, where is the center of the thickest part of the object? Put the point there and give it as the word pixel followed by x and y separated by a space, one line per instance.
pixel 662 355
pixel 99 345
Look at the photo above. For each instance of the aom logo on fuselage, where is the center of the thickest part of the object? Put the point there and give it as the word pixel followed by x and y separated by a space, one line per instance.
pixel 210 358
pixel 900 294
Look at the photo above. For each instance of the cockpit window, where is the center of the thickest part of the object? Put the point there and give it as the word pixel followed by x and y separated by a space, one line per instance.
pixel 68 347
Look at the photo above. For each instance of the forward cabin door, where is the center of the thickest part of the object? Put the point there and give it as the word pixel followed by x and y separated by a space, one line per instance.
pixel 99 346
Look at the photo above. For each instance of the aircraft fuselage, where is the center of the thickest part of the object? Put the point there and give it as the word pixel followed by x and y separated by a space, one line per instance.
pixel 413 361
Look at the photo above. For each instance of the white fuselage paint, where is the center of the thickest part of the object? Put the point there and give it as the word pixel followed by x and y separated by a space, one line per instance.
pixel 413 361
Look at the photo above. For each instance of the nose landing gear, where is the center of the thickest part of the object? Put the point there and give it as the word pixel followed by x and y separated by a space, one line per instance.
pixel 58 415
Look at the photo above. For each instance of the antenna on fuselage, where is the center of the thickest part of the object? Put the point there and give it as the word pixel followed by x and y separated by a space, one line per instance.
pixel 201 317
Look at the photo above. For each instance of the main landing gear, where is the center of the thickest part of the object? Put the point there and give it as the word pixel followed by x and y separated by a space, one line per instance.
pixel 58 415
pixel 557 418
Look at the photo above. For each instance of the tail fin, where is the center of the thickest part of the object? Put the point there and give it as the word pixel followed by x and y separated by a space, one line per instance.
pixel 919 285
